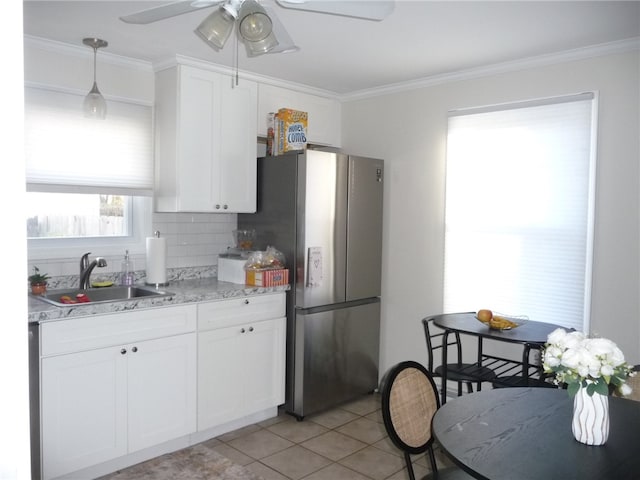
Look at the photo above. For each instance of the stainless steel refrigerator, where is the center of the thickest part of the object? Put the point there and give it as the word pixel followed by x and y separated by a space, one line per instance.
pixel 323 210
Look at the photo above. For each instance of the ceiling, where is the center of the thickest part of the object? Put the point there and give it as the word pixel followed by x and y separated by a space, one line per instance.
pixel 343 55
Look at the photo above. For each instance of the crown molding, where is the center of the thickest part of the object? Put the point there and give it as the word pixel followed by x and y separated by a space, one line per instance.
pixel 82 51
pixel 609 48
pixel 622 46
pixel 261 79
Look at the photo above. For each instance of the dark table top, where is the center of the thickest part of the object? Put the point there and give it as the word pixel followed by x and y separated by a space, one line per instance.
pixel 530 331
pixel 525 433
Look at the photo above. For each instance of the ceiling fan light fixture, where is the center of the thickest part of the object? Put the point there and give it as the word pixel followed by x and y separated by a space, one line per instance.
pixel 262 46
pixel 94 104
pixel 216 28
pixel 255 25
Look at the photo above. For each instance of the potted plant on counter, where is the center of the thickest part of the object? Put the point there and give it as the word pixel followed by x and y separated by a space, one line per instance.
pixel 38 282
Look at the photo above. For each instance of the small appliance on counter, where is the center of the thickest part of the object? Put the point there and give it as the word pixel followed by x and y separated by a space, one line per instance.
pixel 231 267
pixel 231 264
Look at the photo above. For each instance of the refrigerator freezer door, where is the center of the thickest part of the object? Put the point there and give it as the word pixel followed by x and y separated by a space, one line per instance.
pixel 337 356
pixel 364 228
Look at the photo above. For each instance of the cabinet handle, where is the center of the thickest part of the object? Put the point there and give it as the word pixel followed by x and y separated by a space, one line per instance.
pixel 123 351
pixel 134 349
pixel 242 330
pixel 251 329
pixel 217 206
pixel 225 206
pixel 246 301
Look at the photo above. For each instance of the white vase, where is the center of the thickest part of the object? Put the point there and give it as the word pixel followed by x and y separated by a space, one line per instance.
pixel 590 423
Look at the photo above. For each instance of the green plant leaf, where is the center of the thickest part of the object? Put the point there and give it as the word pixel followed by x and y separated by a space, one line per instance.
pixel 601 387
pixel 572 388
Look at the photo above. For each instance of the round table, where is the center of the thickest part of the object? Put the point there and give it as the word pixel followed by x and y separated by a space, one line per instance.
pixel 525 433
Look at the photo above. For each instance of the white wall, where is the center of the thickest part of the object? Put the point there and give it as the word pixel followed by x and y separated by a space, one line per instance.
pixel 408 130
pixel 14 401
pixel 71 67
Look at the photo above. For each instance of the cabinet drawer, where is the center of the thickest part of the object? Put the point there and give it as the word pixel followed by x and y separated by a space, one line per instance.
pixel 96 331
pixel 236 311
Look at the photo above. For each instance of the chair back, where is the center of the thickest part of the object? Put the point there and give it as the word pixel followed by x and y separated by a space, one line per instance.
pixel 433 336
pixel 634 383
pixel 409 401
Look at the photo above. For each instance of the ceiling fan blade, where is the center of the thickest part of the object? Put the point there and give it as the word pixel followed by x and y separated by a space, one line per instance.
pixel 169 10
pixel 285 43
pixel 366 9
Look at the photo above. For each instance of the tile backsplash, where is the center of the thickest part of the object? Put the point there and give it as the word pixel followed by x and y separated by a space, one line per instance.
pixel 193 240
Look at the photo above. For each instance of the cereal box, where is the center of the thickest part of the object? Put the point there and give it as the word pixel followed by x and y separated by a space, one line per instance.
pixel 290 130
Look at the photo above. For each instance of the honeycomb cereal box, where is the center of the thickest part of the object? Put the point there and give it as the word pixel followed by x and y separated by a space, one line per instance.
pixel 291 130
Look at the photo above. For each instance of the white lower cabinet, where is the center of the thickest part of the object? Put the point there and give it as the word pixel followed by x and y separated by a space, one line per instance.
pixel 241 358
pixel 113 385
pixel 103 403
pixel 84 410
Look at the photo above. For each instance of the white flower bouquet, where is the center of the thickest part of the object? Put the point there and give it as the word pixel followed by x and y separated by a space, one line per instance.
pixel 581 361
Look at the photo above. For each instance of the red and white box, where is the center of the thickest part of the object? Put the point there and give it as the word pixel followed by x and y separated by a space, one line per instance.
pixel 267 277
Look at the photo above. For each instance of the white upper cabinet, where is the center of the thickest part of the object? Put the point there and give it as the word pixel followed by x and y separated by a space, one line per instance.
pixel 324 113
pixel 205 142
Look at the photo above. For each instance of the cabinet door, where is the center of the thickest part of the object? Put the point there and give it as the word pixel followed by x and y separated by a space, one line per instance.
pixel 264 355
pixel 162 390
pixel 198 139
pixel 220 376
pixel 240 371
pixel 236 166
pixel 83 401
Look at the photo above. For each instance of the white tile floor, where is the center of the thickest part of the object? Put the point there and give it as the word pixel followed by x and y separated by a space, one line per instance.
pixel 346 443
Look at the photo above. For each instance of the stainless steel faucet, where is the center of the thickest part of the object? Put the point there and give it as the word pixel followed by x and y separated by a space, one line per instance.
pixel 87 267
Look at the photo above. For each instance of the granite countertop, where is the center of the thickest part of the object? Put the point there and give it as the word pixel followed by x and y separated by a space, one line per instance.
pixel 184 291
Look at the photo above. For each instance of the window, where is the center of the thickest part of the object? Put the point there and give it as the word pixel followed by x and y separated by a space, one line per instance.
pixel 78 215
pixel 89 181
pixel 519 209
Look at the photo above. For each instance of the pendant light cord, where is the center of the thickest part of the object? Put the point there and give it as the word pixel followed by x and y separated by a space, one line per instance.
pixel 95 60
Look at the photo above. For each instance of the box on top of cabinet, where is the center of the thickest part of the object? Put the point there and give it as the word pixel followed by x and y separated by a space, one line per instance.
pixel 289 130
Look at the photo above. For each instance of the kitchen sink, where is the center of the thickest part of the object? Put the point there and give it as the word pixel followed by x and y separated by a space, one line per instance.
pixel 99 295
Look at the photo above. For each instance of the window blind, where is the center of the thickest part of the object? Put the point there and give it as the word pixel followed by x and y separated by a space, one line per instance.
pixel 519 209
pixel 66 152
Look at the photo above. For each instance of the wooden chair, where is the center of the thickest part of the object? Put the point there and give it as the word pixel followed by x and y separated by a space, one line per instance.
pixel 409 402
pixel 634 383
pixel 457 371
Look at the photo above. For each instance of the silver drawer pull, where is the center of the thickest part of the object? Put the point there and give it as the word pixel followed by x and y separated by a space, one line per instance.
pixel 123 351
pixel 251 329
pixel 246 301
pixel 242 330
pixel 134 349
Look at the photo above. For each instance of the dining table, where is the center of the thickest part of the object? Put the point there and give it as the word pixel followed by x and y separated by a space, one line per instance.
pixel 524 433
pixel 532 335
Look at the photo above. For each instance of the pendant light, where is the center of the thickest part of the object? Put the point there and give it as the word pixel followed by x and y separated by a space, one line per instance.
pixel 94 105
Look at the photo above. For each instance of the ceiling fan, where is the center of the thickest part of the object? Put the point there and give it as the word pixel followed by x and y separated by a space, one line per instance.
pixel 257 24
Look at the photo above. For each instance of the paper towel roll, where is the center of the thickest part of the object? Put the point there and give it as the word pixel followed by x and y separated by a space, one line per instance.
pixel 156 261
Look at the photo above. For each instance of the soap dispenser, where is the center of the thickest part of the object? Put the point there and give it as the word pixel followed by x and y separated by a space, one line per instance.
pixel 126 275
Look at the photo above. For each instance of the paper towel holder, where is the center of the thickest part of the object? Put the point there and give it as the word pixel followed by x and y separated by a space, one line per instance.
pixel 156 234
